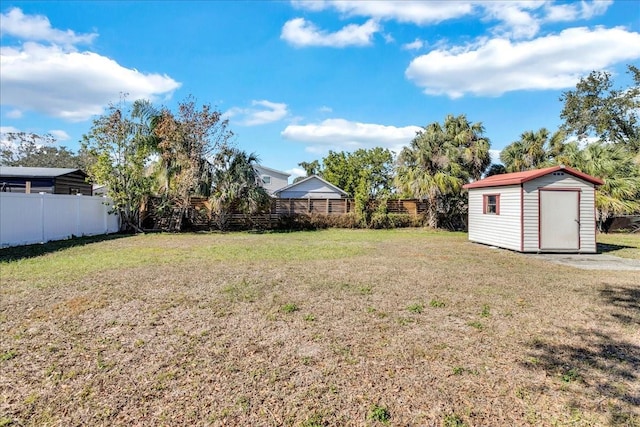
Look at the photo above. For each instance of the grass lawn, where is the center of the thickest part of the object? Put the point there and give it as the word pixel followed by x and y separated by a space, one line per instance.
pixel 337 327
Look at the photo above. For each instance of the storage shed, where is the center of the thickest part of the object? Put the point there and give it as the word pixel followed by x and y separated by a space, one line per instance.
pixel 542 210
pixel 44 180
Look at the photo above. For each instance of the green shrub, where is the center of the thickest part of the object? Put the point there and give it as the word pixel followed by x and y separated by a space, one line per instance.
pixel 395 220
pixel 317 221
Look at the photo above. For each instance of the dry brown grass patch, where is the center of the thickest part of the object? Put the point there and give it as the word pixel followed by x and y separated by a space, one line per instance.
pixel 322 328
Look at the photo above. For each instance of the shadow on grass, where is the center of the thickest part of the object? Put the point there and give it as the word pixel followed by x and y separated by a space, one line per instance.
pixel 603 248
pixel 601 363
pixel 29 251
pixel 625 302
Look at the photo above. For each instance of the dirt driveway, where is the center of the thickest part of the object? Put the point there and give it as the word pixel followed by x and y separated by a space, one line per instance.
pixel 591 261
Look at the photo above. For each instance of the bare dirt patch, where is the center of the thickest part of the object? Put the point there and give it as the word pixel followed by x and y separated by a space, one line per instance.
pixel 318 328
pixel 592 261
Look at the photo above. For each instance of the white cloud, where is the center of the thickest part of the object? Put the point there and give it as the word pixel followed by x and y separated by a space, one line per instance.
pixel 296 172
pixel 522 19
pixel 495 156
pixel 260 113
pixel 499 65
pixel 59 81
pixel 300 33
pixel 340 134
pixel 516 18
pixel 325 109
pixel 417 12
pixel 388 38
pixel 575 11
pixel 519 19
pixel 59 135
pixel 417 44
pixel 38 28
pixel 14 114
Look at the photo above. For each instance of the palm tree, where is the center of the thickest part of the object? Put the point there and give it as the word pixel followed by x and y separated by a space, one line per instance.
pixel 236 185
pixel 620 193
pixel 533 150
pixel 439 161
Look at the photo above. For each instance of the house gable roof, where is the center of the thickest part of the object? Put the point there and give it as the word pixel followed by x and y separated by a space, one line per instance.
pixel 262 169
pixel 517 178
pixel 26 172
pixel 316 177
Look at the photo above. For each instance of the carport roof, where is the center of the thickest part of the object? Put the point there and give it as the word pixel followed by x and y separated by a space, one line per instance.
pixel 517 178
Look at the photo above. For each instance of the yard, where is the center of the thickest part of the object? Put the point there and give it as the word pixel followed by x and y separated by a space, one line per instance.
pixel 337 327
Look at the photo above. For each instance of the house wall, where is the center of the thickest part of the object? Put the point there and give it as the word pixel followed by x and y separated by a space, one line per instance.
pixel 38 218
pixel 19 185
pixel 276 182
pixel 502 230
pixel 64 184
pixel 313 188
pixel 531 209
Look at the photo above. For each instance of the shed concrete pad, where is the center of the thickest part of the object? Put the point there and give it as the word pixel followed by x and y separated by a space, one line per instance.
pixel 591 261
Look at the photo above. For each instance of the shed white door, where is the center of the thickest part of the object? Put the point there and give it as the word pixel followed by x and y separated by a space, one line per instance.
pixel 559 220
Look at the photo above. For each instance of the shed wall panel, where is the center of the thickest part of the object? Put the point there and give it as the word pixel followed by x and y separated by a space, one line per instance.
pixel 501 230
pixel 531 209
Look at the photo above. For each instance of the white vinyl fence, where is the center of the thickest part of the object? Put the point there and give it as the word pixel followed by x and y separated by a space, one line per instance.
pixel 38 218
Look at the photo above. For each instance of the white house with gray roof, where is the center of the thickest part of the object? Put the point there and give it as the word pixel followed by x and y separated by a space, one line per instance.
pixel 311 187
pixel 272 179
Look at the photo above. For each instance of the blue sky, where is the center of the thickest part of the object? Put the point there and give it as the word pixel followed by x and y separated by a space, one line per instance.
pixel 299 78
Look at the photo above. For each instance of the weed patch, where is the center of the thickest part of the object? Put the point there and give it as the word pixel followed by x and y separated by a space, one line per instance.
pixel 289 308
pixel 416 308
pixel 380 414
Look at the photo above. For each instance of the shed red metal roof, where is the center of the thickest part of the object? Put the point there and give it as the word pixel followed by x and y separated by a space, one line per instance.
pixel 517 178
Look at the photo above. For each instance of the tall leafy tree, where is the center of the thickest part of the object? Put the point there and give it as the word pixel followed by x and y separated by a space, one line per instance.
pixel 439 161
pixel 186 142
pixel 33 150
pixel 596 108
pixel 310 168
pixel 236 185
pixel 120 145
pixel 366 174
pixel 368 169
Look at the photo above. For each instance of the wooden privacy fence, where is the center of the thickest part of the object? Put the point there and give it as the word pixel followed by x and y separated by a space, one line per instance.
pixel 309 206
pixel 200 215
pixel 289 207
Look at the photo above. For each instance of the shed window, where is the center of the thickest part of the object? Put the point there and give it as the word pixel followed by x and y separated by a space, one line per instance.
pixel 266 179
pixel 492 204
